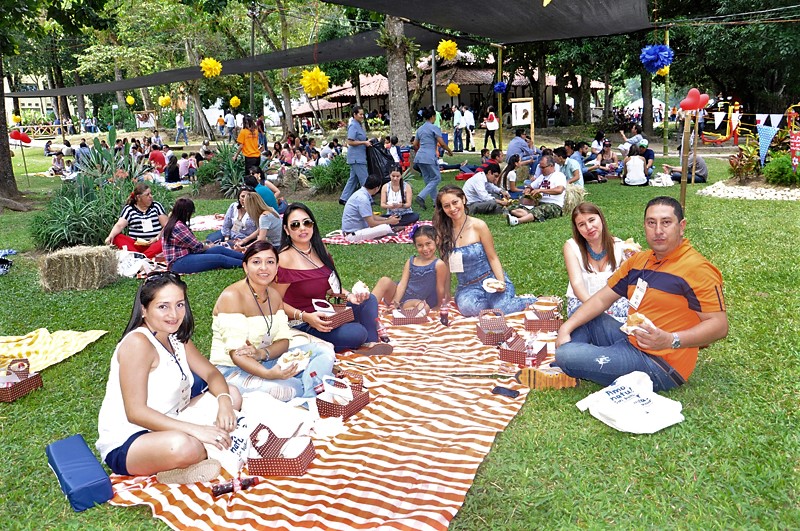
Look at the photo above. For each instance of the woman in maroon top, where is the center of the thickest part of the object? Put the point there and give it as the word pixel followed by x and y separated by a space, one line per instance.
pixel 305 272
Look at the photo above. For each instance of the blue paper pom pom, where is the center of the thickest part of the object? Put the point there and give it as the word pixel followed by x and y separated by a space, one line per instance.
pixel 656 56
pixel 499 87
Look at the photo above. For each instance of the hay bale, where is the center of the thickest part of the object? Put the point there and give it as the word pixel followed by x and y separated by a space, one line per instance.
pixel 573 198
pixel 80 268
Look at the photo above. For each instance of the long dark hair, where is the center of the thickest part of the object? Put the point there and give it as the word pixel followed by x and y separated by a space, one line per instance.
pixel 587 208
pixel 316 237
pixel 513 160
pixel 182 211
pixel 147 292
pixel 397 168
pixel 443 223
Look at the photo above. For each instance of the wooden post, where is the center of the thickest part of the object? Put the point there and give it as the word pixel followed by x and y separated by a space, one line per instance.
pixel 694 146
pixel 500 96
pixel 665 116
pixel 687 125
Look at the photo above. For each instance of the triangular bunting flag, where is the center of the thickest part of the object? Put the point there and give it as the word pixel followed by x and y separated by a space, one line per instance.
pixel 718 117
pixel 734 120
pixel 775 120
pixel 761 118
pixel 765 136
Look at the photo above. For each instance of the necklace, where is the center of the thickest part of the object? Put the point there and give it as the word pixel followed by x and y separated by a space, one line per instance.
pixel 171 351
pixel 462 228
pixel 306 253
pixel 258 304
pixel 595 256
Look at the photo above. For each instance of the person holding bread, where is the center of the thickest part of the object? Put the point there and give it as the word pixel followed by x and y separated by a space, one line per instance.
pixel 144 219
pixel 676 296
pixel 253 345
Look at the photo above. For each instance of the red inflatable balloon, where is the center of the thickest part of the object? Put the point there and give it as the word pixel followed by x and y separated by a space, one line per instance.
pixel 694 101
pixel 25 138
pixel 15 134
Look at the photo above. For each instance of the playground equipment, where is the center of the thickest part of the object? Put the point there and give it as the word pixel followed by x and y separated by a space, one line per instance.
pixel 733 127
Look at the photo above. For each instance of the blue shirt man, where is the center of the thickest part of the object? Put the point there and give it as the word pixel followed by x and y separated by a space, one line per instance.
pixel 519 145
pixel 358 214
pixel 356 155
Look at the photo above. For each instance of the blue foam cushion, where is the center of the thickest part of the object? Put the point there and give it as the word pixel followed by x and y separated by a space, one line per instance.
pixel 79 473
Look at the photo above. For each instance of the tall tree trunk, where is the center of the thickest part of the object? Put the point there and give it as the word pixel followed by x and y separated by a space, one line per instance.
pixel 356 82
pixel 584 100
pixel 120 95
pixel 80 104
pixel 288 122
pixel 563 112
pixel 540 96
pixel 400 123
pixel 51 84
pixel 62 109
pixel 147 101
pixel 200 123
pixel 13 85
pixel 8 184
pixel 606 97
pixel 647 103
pixel 419 90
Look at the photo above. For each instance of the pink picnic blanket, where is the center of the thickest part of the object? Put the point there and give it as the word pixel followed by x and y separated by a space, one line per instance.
pixel 404 236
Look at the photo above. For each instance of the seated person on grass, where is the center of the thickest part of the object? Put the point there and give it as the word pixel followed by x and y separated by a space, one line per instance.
pixel 521 146
pixel 58 164
pixel 144 219
pixel 700 170
pixel 569 167
pixel 676 288
pixel 479 200
pixel 359 222
pixel 649 157
pixel 552 185
pixel 396 196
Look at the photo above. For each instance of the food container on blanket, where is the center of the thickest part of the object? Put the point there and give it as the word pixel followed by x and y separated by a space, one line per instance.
pixel 492 328
pixel 409 316
pixel 524 353
pixel 546 377
pixel 16 380
pixel 335 314
pixel 278 456
pixel 340 399
pixel 543 315
pixel 354 379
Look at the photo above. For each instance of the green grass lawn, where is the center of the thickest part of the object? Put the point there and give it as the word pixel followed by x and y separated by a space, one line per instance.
pixel 733 463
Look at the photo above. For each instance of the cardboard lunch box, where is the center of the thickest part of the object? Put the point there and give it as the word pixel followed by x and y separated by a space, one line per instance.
pixel 355 379
pixel 342 312
pixel 18 381
pixel 514 350
pixel 357 400
pixel 270 463
pixel 492 328
pixel 542 321
pixel 409 316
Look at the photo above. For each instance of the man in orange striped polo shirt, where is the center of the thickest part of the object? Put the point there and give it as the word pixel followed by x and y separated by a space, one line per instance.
pixel 672 285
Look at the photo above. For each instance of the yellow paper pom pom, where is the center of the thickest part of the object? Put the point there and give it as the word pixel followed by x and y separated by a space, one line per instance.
pixel 130 100
pixel 164 101
pixel 235 101
pixel 663 71
pixel 314 82
pixel 447 49
pixel 453 90
pixel 16 119
pixel 210 67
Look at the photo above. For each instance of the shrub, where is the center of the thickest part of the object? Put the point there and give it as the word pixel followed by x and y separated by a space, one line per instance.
pixel 222 168
pixel 332 177
pixel 779 170
pixel 83 212
pixel 746 164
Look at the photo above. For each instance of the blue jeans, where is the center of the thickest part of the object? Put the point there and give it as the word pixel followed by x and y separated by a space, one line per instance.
pixel 358 176
pixel 351 335
pixel 458 140
pixel 217 257
pixel 600 352
pixel 321 362
pixel 180 132
pixel 432 177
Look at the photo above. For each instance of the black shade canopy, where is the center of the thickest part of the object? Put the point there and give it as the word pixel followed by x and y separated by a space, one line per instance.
pixel 510 21
pixel 346 48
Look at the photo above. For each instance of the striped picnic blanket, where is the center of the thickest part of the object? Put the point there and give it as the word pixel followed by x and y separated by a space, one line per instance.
pixel 209 222
pixel 404 236
pixel 406 460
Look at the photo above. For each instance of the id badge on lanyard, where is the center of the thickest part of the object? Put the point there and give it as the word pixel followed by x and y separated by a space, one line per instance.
pixel 638 294
pixel 456 262
pixel 186 395
pixel 147 225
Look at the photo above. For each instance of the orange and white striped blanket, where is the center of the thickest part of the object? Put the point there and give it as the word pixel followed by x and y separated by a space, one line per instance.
pixel 406 460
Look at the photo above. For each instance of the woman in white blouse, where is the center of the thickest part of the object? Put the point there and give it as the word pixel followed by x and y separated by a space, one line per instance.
pixel 396 198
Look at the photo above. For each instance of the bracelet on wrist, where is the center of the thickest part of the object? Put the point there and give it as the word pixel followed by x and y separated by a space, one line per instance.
pixel 267 354
pixel 225 394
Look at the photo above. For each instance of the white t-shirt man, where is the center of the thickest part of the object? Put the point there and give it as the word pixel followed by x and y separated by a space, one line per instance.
pixel 556 179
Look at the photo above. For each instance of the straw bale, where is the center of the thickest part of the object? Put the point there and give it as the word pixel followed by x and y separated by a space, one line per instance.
pixel 79 268
pixel 574 197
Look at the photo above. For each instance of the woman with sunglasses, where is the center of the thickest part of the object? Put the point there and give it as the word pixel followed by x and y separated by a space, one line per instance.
pixel 306 272
pixel 251 332
pixel 609 163
pixel 185 253
pixel 156 372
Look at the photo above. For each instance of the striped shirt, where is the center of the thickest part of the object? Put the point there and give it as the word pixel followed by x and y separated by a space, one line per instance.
pixel 138 221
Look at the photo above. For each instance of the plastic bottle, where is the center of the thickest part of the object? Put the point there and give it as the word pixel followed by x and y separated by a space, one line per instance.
pixel 316 381
pixel 444 313
pixel 383 335
pixel 234 485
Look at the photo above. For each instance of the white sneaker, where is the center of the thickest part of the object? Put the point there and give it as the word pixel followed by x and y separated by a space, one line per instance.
pixel 512 220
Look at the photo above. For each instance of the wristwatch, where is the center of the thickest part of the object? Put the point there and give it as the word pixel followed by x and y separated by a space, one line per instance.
pixel 676 341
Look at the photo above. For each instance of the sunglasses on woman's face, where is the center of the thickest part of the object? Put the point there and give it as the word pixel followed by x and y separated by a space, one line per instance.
pixel 307 223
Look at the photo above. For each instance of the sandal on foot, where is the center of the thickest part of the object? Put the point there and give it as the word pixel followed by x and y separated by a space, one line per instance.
pixel 375 349
pixel 201 472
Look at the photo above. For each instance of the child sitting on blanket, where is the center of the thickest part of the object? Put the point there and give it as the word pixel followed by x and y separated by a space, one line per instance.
pixel 425 277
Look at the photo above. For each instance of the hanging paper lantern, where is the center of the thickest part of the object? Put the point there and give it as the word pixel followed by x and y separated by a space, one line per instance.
pixel 210 67
pixel 130 100
pixel 16 119
pixel 314 82
pixel 164 101
pixel 499 87
pixel 453 90
pixel 447 49
pixel 235 101
pixel 656 56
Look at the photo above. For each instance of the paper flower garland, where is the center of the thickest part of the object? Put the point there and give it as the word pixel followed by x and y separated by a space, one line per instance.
pixel 656 56
pixel 447 49
pixel 499 87
pixel 235 101
pixel 314 82
pixel 164 101
pixel 130 100
pixel 453 90
pixel 16 119
pixel 210 67
pixel 663 71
